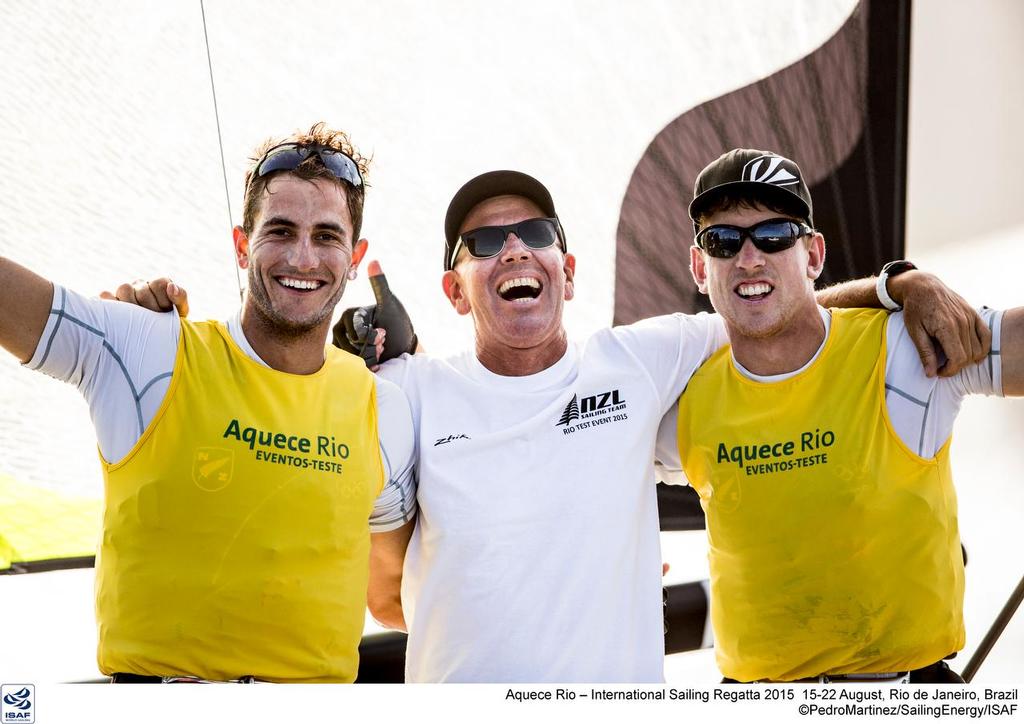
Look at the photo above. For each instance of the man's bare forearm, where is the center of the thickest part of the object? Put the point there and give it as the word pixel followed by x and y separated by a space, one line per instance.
pixel 24 306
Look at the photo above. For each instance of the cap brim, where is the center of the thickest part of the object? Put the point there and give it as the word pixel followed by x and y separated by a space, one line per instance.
pixel 752 189
pixel 489 185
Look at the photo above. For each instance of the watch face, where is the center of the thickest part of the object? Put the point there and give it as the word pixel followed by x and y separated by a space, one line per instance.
pixel 894 268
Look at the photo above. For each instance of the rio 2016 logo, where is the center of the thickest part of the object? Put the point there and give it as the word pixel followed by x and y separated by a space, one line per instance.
pixel 17 703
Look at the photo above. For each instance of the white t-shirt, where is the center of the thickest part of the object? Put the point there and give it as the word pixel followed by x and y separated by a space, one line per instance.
pixel 922 409
pixel 121 357
pixel 537 557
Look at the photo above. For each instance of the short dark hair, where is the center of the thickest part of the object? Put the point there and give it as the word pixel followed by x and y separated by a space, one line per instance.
pixel 311 168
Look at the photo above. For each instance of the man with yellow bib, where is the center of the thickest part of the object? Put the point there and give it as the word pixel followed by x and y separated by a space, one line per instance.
pixel 257 482
pixel 820 450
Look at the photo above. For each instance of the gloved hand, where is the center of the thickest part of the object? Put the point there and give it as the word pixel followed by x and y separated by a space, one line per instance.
pixel 358 329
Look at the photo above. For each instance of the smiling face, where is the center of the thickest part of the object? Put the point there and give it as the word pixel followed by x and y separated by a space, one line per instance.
pixel 516 297
pixel 759 295
pixel 298 254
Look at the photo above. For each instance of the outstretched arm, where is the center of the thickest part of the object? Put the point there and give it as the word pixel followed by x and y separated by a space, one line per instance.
pixel 25 299
pixel 939 321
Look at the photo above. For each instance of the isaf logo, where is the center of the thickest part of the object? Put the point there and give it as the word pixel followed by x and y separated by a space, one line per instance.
pixel 592 410
pixel 17 703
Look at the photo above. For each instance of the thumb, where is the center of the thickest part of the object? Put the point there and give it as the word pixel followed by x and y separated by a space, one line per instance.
pixel 108 295
pixel 178 298
pixel 925 349
pixel 378 282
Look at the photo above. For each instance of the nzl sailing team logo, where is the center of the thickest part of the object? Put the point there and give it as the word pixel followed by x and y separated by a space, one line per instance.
pixel 592 410
pixel 770 169
pixel 18 703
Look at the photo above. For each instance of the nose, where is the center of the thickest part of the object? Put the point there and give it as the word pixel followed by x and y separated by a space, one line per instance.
pixel 515 250
pixel 302 254
pixel 750 257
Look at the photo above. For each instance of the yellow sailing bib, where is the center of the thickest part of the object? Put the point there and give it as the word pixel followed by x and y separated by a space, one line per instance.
pixel 833 547
pixel 236 534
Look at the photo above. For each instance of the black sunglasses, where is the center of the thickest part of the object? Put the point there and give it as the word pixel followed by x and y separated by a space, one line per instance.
pixel 288 157
pixel 724 241
pixel 488 241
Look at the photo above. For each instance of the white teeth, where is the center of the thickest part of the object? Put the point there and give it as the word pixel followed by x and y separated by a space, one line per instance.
pixel 520 282
pixel 299 283
pixel 752 290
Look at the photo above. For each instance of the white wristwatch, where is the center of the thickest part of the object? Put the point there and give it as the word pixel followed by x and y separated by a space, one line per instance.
pixel 892 269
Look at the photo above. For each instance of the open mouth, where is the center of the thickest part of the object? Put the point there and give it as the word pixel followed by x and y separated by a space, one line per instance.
pixel 521 289
pixel 299 285
pixel 754 292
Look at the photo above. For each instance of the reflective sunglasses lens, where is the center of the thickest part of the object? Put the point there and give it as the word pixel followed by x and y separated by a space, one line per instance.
pixel 341 166
pixel 537 233
pixel 721 241
pixel 484 242
pixel 283 159
pixel 773 236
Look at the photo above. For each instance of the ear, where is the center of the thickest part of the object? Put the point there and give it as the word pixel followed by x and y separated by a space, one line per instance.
pixel 569 267
pixel 241 240
pixel 452 284
pixel 699 269
pixel 815 256
pixel 358 252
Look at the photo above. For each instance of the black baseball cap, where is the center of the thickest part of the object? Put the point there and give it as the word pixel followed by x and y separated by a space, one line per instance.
pixel 485 186
pixel 755 173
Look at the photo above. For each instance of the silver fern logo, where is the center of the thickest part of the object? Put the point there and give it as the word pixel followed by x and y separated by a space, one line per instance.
pixel 571 412
pixel 769 169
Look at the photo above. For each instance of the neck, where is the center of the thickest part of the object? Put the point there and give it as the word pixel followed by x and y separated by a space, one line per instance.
pixel 522 361
pixel 786 350
pixel 295 352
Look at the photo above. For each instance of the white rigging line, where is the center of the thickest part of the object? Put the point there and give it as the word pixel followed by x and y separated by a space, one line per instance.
pixel 220 143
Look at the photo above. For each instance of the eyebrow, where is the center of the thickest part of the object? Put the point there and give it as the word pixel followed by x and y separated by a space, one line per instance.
pixel 283 221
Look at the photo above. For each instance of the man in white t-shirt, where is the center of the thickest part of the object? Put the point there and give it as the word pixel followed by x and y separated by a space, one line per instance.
pixel 536 557
pixel 831 514
pixel 250 475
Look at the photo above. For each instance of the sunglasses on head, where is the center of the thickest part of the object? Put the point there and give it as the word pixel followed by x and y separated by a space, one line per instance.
pixel 488 241
pixel 724 241
pixel 288 157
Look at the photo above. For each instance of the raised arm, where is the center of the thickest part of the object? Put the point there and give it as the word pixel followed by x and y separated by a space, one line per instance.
pixel 947 331
pixel 25 299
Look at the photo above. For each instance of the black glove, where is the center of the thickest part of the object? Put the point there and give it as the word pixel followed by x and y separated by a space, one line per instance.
pixel 355 332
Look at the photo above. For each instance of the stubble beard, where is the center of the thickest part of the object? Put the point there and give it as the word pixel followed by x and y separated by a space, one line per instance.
pixel 278 324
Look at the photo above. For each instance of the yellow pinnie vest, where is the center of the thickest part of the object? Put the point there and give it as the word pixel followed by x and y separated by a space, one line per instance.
pixel 235 533
pixel 833 547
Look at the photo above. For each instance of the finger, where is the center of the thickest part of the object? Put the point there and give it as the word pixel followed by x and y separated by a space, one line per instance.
pixel 179 298
pixel 108 295
pixel 145 297
pixel 382 292
pixel 158 288
pixel 373 268
pixel 664 568
pixel 125 293
pixel 925 349
pixel 952 345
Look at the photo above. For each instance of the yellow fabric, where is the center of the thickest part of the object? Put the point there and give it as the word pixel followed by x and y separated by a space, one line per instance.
pixel 41 525
pixel 833 547
pixel 236 533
